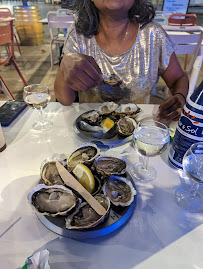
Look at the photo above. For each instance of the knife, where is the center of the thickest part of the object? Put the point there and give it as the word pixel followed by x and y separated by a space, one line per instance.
pixel 73 183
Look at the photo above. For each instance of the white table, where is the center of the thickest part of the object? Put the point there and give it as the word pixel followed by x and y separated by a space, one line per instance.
pixel 158 235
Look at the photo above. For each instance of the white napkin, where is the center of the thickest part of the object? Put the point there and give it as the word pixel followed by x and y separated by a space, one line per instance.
pixel 39 260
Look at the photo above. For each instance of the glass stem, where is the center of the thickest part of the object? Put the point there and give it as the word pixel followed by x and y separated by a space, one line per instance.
pixel 145 163
pixel 41 118
pixel 193 190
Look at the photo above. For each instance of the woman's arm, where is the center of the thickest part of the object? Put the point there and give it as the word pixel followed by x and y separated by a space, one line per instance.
pixel 77 72
pixel 177 81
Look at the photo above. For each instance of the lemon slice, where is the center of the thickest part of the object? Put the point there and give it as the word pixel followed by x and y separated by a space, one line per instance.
pixel 85 177
pixel 107 124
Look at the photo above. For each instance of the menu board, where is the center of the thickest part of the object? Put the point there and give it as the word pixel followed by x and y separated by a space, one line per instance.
pixel 176 6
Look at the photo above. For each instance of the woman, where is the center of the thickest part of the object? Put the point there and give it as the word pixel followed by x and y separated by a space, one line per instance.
pixel 119 37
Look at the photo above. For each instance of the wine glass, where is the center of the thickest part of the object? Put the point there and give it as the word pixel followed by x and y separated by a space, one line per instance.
pixel 193 168
pixel 37 96
pixel 150 138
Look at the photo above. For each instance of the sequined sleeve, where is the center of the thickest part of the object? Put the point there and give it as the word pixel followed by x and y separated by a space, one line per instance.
pixel 166 48
pixel 71 43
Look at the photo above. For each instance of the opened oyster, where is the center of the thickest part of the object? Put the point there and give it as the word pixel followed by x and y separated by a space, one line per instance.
pixel 108 165
pixel 112 80
pixel 91 117
pixel 127 109
pixel 107 108
pixel 119 190
pixel 86 217
pixel 85 153
pixel 52 200
pixel 126 126
pixel 49 172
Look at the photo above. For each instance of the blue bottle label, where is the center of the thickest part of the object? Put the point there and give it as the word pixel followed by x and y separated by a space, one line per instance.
pixel 189 131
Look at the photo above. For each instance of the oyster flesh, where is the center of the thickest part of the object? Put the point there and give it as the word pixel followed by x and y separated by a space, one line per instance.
pixel 91 117
pixel 119 190
pixel 108 165
pixel 86 217
pixel 126 126
pixel 127 109
pixel 112 80
pixel 52 200
pixel 85 153
pixel 107 108
pixel 49 173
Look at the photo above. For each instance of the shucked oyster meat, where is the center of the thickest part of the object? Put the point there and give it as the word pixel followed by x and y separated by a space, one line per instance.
pixel 86 217
pixel 108 165
pixel 86 153
pixel 52 200
pixel 50 175
pixel 92 117
pixel 107 108
pixel 119 190
pixel 126 126
pixel 112 80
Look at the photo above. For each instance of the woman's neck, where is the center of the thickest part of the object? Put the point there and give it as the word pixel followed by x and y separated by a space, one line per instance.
pixel 116 36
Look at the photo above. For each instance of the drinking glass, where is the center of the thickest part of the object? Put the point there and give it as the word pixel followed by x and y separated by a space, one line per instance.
pixel 193 168
pixel 150 138
pixel 37 96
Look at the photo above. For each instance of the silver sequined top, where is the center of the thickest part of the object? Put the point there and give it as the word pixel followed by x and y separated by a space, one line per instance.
pixel 138 67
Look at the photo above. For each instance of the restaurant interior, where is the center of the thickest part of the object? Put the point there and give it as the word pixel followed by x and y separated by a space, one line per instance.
pixel 77 189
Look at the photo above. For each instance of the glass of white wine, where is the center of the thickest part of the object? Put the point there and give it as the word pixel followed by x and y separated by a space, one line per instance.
pixel 37 96
pixel 150 138
pixel 193 167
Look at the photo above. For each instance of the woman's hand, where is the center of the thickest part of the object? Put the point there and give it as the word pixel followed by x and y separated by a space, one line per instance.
pixel 80 72
pixel 171 108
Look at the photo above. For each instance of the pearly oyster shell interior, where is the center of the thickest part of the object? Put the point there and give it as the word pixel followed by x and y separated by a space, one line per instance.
pixel 119 190
pixel 126 126
pixel 86 217
pixel 109 165
pixel 52 200
pixel 107 108
pixel 86 153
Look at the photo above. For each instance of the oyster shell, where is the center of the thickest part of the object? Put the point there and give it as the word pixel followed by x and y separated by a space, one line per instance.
pixel 52 200
pixel 49 173
pixel 112 80
pixel 91 117
pixel 126 126
pixel 119 190
pixel 85 153
pixel 127 109
pixel 108 165
pixel 86 217
pixel 107 108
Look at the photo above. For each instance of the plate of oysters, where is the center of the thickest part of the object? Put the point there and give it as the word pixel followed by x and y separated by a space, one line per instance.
pixel 110 123
pixel 61 208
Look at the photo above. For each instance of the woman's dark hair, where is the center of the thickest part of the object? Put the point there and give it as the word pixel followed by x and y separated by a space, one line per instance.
pixel 87 18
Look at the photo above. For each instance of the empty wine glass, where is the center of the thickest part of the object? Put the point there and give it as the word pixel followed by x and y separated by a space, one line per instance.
pixel 150 138
pixel 37 96
pixel 193 168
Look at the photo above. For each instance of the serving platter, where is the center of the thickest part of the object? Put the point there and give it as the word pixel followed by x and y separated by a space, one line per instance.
pixel 115 141
pixel 117 217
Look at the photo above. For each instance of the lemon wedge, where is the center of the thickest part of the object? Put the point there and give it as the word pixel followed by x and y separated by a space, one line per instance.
pixel 85 177
pixel 107 124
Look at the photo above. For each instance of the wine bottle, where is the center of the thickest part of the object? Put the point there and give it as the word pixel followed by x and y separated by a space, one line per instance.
pixel 2 140
pixel 190 127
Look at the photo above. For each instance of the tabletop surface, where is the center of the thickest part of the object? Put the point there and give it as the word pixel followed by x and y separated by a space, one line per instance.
pixel 159 234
